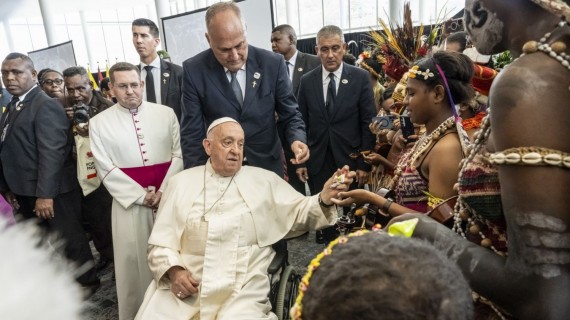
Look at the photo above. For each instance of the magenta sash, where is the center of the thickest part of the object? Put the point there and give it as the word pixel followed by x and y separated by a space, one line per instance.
pixel 148 175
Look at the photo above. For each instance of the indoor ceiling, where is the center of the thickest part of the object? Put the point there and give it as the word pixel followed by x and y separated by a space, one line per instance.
pixel 31 8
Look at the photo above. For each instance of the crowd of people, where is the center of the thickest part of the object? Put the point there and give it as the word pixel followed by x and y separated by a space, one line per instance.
pixel 185 176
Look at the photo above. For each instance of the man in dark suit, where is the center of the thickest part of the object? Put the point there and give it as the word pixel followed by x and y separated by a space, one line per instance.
pixel 163 84
pixel 284 41
pixel 337 104
pixel 251 85
pixel 37 173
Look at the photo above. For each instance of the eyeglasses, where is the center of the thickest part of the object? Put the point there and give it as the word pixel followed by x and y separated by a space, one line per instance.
pixel 125 86
pixel 51 82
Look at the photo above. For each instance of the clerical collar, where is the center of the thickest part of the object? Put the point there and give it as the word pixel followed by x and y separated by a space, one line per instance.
pixel 134 110
pixel 212 173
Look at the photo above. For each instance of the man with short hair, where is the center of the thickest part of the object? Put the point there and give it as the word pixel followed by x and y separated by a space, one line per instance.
pixel 337 104
pixel 211 245
pixel 37 175
pixel 234 79
pixel 96 205
pixel 136 146
pixel 284 41
pixel 163 84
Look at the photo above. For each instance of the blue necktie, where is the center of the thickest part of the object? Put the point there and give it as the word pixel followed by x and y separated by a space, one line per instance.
pixel 236 88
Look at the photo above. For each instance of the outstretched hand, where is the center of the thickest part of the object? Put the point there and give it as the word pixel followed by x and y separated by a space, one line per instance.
pixel 339 182
pixel 356 196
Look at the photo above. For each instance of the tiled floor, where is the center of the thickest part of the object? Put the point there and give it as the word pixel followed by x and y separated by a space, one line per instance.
pixel 103 304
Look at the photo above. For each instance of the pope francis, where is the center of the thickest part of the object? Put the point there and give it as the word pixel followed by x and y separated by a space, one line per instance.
pixel 211 244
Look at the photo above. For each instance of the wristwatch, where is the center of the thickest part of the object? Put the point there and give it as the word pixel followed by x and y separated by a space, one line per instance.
pixel 323 204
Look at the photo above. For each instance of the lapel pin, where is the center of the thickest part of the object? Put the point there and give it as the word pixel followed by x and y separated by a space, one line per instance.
pixel 254 83
pixel 256 75
pixel 166 74
pixel 164 81
pixel 300 69
pixel 19 107
pixel 344 81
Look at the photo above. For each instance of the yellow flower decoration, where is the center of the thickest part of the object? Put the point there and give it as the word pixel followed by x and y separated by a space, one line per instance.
pixel 415 71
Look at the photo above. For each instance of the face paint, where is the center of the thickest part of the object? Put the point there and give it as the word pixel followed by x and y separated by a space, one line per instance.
pixel 541 243
pixel 483 26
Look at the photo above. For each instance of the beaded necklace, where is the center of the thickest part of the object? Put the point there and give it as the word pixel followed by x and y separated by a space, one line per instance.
pixel 473 219
pixel 422 146
pixel 555 51
pixel 461 212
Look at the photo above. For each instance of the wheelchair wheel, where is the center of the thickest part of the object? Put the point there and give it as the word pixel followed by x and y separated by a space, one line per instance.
pixel 287 293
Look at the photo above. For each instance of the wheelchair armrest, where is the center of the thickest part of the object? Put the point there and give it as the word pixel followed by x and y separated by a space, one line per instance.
pixel 280 258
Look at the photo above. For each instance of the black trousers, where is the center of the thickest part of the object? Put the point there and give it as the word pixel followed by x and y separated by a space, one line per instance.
pixel 66 224
pixel 96 210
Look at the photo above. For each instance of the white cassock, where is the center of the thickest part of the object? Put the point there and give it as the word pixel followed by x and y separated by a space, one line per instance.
pixel 229 248
pixel 133 150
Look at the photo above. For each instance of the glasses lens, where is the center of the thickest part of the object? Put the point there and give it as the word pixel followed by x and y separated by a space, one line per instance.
pixel 51 82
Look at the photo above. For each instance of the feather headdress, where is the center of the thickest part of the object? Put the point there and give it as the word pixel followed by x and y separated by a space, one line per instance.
pixel 401 45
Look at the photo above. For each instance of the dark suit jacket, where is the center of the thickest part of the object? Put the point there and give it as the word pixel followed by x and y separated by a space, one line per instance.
pixel 305 62
pixel 345 130
pixel 207 96
pixel 35 156
pixel 171 86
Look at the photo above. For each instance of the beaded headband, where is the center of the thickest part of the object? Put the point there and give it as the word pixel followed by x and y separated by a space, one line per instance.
pixel 416 73
pixel 403 229
pixel 297 310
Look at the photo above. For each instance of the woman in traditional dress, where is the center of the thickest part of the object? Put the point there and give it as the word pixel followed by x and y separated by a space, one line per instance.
pixel 425 174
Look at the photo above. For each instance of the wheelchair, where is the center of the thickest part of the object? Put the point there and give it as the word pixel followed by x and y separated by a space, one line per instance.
pixel 284 282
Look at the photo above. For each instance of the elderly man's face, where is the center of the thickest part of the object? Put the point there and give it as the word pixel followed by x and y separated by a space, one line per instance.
pixel 224 145
pixel 226 36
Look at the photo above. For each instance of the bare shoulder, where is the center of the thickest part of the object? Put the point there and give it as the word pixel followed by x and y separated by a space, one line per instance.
pixel 527 99
pixel 447 145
